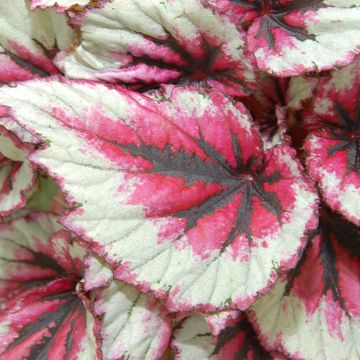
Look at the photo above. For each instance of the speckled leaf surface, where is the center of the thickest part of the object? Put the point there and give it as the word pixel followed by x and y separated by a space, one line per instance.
pixel 300 90
pixel 220 320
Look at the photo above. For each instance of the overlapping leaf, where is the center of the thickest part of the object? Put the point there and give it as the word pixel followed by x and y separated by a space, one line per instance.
pixel 292 37
pixel 314 313
pixel 300 90
pixel 264 105
pixel 219 321
pixel 60 5
pixel 28 40
pixel 47 196
pixel 42 316
pixel 176 194
pixel 22 138
pixel 12 69
pixel 194 340
pixel 333 145
pixel 17 175
pixel 160 41
pixel 132 325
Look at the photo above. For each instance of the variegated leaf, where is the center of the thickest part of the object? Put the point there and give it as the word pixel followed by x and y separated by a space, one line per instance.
pixel 160 41
pixel 194 340
pixel 219 321
pixel 12 68
pixel 176 194
pixel 17 175
pixel 22 138
pixel 132 324
pixel 291 37
pixel 60 5
pixel 28 37
pixel 314 313
pixel 97 273
pixel 333 145
pixel 263 105
pixel 47 196
pixel 300 90
pixel 42 317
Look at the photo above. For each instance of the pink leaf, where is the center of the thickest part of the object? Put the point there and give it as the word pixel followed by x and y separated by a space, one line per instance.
pixel 160 41
pixel 60 5
pixel 132 324
pixel 318 301
pixel 17 175
pixel 292 37
pixel 27 47
pixel 333 146
pixel 42 316
pixel 13 69
pixel 193 340
pixel 176 194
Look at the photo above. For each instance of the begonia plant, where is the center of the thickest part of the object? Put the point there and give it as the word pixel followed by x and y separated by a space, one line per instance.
pixel 180 179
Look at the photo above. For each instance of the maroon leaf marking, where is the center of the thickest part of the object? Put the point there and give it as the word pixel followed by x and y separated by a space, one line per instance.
pixel 28 66
pixel 333 143
pixel 192 70
pixel 235 339
pixel 66 306
pixel 347 132
pixel 240 342
pixel 7 185
pixel 319 295
pixel 332 229
pixel 42 315
pixel 202 182
pixel 247 179
pixel 273 15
